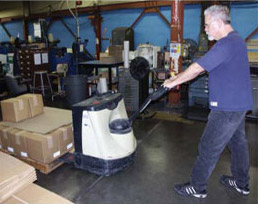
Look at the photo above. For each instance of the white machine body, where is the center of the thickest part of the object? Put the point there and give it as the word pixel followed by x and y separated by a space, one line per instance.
pixel 98 141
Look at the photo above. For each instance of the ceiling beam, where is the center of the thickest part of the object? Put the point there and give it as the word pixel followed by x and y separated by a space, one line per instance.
pixel 109 7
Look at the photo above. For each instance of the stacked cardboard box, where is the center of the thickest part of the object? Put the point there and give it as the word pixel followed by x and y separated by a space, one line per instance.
pixel 15 110
pixel 114 55
pixel 15 175
pixel 16 184
pixel 42 139
pixel 42 148
pixel 34 194
pixel 35 101
pixel 116 51
pixel 22 107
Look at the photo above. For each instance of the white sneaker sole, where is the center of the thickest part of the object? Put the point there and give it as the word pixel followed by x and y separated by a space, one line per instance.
pixel 242 191
pixel 200 195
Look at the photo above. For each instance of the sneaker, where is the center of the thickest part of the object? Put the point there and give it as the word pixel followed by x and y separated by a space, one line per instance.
pixel 188 190
pixel 230 182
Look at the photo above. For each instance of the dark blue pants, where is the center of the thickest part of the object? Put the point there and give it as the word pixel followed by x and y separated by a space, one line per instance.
pixel 223 129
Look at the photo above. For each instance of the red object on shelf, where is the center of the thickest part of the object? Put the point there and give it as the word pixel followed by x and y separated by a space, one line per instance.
pixel 78 3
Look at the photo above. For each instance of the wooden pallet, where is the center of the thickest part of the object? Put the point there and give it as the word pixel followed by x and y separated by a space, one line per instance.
pixel 43 168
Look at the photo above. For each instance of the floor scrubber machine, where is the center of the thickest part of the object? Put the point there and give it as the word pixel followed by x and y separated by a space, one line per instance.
pixel 104 140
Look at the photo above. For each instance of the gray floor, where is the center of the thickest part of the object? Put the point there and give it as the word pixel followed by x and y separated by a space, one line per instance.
pixel 165 155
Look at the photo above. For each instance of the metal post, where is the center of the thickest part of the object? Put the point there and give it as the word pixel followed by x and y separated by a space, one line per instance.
pixel 98 35
pixel 176 36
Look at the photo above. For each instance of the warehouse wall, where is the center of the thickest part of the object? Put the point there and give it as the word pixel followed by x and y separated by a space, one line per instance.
pixel 151 28
pixel 14 28
pixel 66 39
pixel 244 18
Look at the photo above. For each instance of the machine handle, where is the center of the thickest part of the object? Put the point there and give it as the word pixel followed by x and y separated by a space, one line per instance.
pixel 162 90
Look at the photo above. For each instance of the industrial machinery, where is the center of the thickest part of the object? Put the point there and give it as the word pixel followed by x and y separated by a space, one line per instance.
pixel 104 140
pixel 150 53
pixel 121 34
pixel 97 149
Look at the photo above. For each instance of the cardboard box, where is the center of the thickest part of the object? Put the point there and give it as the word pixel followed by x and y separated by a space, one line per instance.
pixel 15 109
pixel 103 54
pixel 18 142
pixel 35 103
pixel 4 136
pixel 116 51
pixel 1 127
pixel 43 148
pixel 109 59
pixel 34 194
pixel 66 140
pixel 15 176
pixel 11 140
pixel 253 56
pixel 51 119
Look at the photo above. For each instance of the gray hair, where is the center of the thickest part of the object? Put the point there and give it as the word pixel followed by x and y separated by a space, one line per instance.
pixel 218 12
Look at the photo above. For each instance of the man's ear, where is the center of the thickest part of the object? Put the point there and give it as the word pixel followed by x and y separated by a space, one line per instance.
pixel 219 23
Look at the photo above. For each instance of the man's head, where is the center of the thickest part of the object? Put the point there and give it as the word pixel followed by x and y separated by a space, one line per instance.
pixel 217 21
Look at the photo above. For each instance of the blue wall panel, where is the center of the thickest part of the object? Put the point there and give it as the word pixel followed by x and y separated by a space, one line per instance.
pixel 3 35
pixel 14 28
pixel 60 32
pixel 118 18
pixel 66 38
pixel 192 22
pixel 244 18
pixel 151 27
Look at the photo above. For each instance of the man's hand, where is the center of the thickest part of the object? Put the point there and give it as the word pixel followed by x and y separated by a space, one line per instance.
pixel 169 82
pixel 190 73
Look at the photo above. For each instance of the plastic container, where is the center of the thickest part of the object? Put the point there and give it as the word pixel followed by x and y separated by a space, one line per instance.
pixel 75 88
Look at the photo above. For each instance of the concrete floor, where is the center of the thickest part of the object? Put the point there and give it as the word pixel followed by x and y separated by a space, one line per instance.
pixel 165 155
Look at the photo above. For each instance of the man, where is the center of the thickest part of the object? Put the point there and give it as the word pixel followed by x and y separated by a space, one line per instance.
pixel 229 98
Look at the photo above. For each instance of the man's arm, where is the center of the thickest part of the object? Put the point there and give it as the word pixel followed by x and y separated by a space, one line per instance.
pixel 190 73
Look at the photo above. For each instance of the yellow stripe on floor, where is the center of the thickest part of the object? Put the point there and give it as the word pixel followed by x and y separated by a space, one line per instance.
pixel 172 117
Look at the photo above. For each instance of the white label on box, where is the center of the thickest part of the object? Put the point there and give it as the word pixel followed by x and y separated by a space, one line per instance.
pixel 56 154
pixel 69 146
pixel 10 149
pixel 24 154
